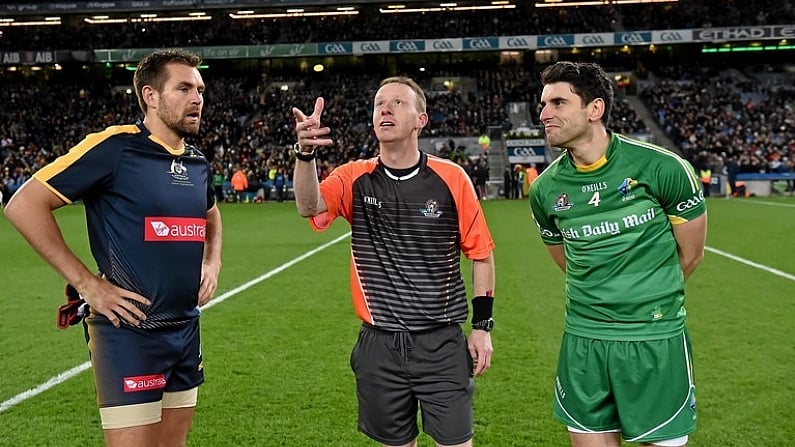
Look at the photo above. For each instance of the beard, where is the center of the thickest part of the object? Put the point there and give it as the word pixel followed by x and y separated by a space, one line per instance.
pixel 180 125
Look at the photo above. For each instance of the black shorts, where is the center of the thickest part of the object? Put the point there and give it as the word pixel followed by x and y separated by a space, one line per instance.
pixel 135 366
pixel 397 371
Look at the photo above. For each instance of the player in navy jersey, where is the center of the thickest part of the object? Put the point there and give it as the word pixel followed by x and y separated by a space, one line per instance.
pixel 411 216
pixel 155 235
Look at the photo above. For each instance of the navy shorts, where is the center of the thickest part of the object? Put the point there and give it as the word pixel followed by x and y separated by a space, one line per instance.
pixel 135 366
pixel 397 372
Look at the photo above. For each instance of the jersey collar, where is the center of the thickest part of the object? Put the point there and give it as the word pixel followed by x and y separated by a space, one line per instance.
pixel 602 161
pixel 148 135
pixel 404 174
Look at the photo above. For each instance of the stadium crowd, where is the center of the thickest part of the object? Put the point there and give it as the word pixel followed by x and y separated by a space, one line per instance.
pixel 370 24
pixel 717 117
pixel 728 119
pixel 714 118
pixel 246 122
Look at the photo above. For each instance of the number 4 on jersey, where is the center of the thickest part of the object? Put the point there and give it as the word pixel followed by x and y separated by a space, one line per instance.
pixel 595 199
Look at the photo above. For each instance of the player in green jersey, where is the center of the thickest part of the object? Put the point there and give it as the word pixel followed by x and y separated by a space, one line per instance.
pixel 626 221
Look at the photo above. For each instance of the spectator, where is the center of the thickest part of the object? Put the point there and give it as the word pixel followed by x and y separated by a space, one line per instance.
pixel 239 183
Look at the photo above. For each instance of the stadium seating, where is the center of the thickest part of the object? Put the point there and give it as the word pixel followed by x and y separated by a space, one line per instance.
pixel 710 112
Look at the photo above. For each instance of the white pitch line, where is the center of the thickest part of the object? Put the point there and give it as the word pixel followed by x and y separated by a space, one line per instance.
pixel 60 378
pixel 68 374
pixel 751 263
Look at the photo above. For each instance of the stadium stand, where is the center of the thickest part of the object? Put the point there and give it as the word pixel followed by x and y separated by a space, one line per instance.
pixel 720 111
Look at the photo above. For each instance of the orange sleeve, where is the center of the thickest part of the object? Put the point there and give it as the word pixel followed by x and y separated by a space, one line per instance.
pixel 337 192
pixel 476 240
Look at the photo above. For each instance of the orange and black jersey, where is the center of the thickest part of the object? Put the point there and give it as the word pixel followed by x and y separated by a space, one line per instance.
pixel 146 210
pixel 408 233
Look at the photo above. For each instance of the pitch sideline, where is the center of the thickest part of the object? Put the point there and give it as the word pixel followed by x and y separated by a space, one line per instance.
pixel 68 374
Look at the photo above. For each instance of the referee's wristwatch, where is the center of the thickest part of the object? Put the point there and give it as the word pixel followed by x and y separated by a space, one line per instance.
pixel 301 155
pixel 484 325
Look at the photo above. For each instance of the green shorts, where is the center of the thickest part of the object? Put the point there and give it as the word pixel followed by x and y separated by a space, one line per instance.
pixel 643 389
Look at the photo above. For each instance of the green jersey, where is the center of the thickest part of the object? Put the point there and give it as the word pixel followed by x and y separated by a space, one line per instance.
pixel 623 277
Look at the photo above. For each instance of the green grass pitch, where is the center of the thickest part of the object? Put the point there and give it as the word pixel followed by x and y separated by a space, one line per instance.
pixel 276 352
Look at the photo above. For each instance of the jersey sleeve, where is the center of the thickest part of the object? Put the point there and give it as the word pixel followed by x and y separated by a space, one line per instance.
pixel 680 193
pixel 476 240
pixel 550 234
pixel 337 192
pixel 87 167
pixel 474 235
pixel 210 189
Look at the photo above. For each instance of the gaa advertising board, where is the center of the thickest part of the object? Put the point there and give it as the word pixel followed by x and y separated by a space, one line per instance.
pixel 525 151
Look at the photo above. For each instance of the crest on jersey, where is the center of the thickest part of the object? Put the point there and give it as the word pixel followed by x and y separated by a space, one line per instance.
pixel 627 185
pixel 562 202
pixel 431 209
pixel 179 173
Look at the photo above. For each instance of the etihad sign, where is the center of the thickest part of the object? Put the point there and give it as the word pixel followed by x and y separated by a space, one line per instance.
pixel 744 33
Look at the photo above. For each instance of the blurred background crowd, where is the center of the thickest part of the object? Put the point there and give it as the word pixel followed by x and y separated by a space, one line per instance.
pixel 721 113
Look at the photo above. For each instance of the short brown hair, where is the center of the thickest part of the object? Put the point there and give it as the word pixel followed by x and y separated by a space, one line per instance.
pixel 588 81
pixel 421 102
pixel 151 69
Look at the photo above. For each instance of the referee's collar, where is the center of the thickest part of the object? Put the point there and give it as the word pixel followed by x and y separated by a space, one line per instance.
pixel 405 173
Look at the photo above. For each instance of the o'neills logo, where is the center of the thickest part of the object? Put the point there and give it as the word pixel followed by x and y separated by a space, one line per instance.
pixel 144 383
pixel 174 229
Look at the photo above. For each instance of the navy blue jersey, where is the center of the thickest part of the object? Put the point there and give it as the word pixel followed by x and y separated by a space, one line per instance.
pixel 146 209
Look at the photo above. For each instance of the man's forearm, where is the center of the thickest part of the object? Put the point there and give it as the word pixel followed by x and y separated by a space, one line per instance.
pixel 483 277
pixel 213 237
pixel 30 212
pixel 306 188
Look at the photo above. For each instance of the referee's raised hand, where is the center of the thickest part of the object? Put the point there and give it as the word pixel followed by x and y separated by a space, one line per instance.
pixel 308 129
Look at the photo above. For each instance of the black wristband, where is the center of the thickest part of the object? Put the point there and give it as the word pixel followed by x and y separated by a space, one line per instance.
pixel 481 308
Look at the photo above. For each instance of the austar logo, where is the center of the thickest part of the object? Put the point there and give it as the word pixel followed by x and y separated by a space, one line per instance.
pixel 136 384
pixel 174 229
